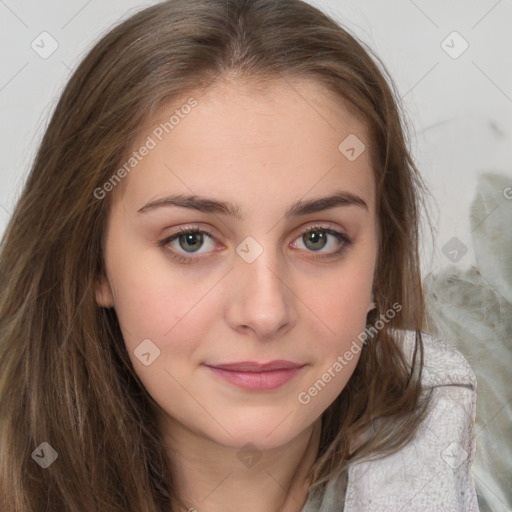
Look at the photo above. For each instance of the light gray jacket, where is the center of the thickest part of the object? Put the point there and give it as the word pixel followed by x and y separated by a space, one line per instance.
pixel 431 473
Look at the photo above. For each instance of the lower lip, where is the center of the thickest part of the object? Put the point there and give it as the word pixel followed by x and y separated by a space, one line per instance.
pixel 257 380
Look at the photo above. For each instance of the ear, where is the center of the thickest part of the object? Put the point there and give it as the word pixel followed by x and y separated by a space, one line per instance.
pixel 372 304
pixel 103 293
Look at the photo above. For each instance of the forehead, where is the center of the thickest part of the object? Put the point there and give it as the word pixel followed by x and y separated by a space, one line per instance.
pixel 281 137
pixel 285 97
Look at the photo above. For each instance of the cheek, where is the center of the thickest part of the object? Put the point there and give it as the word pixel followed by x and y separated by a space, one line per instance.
pixel 153 301
pixel 325 384
pixel 341 301
pixel 341 314
pixel 339 306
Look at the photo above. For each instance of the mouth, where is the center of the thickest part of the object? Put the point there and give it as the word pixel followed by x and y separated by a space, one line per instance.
pixel 253 366
pixel 257 376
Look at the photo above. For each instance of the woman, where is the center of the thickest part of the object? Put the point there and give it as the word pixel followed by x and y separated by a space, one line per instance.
pixel 140 373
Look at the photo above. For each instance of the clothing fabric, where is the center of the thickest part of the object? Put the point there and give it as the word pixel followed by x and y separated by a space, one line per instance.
pixel 472 308
pixel 433 471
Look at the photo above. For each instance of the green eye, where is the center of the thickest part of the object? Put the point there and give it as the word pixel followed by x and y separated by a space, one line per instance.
pixel 317 238
pixel 189 241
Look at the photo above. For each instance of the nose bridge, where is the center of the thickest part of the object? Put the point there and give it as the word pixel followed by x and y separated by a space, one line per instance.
pixel 260 267
pixel 262 296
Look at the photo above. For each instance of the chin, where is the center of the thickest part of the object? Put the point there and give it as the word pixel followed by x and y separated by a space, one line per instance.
pixel 262 433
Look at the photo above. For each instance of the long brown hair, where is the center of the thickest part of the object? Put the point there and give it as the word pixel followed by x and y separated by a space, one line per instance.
pixel 65 375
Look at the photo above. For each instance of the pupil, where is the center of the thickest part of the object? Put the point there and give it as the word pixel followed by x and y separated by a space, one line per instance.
pixel 315 236
pixel 196 239
pixel 190 237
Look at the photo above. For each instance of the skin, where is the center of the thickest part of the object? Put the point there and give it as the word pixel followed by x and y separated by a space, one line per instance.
pixel 262 149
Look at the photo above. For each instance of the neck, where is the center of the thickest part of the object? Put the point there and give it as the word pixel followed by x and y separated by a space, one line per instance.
pixel 215 478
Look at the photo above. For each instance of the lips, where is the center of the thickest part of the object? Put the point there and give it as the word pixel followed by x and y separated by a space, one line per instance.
pixel 254 376
pixel 253 366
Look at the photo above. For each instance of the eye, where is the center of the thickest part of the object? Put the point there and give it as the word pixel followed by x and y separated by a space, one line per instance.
pixel 316 238
pixel 188 239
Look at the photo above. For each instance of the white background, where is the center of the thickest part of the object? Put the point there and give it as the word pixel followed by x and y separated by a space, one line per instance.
pixel 460 109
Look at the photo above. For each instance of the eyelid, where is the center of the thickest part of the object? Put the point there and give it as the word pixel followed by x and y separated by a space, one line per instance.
pixel 183 230
pixel 338 233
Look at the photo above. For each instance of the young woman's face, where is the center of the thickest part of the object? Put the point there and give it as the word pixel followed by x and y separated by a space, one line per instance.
pixel 252 173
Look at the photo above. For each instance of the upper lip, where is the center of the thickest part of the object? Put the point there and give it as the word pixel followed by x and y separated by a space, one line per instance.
pixel 253 366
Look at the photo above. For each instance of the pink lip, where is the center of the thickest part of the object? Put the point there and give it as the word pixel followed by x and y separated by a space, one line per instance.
pixel 253 375
pixel 253 366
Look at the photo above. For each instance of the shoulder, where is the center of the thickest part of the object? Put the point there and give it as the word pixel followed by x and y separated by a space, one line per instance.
pixel 433 471
pixel 443 364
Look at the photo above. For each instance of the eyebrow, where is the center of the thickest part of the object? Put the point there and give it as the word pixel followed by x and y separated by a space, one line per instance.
pixel 208 205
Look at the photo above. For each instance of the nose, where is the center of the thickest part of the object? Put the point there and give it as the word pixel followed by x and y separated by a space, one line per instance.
pixel 261 298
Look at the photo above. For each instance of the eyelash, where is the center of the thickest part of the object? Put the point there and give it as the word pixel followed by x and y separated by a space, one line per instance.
pixel 341 238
